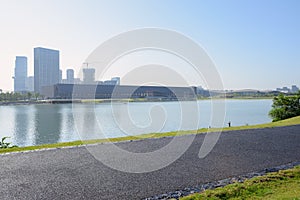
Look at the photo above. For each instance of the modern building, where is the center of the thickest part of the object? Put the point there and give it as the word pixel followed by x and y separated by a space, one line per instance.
pixel 20 74
pixel 201 92
pixel 60 76
pixel 89 91
pixel 286 89
pixel 77 81
pixel 30 84
pixel 46 68
pixel 70 76
pixel 294 89
pixel 113 81
pixel 110 82
pixel 117 80
pixel 88 75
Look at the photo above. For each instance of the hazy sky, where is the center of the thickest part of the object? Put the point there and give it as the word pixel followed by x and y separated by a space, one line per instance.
pixel 254 43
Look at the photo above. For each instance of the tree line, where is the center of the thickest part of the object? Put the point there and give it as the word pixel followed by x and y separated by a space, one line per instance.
pixel 16 96
pixel 285 106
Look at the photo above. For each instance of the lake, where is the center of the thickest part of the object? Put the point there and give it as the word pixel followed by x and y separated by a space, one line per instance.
pixel 51 123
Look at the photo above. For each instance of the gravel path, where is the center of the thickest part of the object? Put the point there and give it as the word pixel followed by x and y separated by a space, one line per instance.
pixel 73 173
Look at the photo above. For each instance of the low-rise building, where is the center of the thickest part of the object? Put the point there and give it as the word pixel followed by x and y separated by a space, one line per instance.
pixel 89 91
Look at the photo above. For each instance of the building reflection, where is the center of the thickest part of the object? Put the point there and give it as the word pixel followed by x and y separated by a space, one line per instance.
pixel 21 123
pixel 86 122
pixel 68 132
pixel 47 124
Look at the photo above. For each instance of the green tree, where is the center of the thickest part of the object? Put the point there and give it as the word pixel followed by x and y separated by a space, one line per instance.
pixel 285 107
pixel 29 95
pixel 8 96
pixel 36 95
pixel 16 96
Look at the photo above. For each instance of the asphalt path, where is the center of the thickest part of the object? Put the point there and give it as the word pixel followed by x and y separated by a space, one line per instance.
pixel 73 173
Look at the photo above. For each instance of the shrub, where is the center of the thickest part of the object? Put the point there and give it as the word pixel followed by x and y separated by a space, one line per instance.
pixel 285 107
pixel 4 145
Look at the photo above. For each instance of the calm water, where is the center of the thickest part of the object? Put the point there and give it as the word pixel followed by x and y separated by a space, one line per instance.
pixel 39 124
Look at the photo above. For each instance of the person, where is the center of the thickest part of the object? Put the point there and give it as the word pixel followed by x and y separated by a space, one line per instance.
pixel 229 124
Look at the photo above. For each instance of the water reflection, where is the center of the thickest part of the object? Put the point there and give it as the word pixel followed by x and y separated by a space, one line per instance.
pixel 47 124
pixel 40 124
pixel 68 131
pixel 21 127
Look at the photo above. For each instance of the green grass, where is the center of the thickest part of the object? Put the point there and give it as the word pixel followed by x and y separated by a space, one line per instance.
pixel 96 101
pixel 245 98
pixel 287 122
pixel 284 184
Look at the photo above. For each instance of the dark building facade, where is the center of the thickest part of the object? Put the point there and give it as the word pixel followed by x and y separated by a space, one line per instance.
pixel 85 91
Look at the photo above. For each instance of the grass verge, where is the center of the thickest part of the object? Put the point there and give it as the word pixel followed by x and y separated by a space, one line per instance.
pixel 284 184
pixel 287 122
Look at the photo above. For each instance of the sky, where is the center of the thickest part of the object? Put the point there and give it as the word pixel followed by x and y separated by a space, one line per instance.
pixel 253 43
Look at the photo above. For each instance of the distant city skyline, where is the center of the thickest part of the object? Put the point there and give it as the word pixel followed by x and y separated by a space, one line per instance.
pixel 90 72
pixel 254 44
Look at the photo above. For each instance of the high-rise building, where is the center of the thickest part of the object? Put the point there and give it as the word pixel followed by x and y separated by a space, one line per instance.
pixel 46 68
pixel 60 76
pixel 30 84
pixel 70 76
pixel 88 75
pixel 20 74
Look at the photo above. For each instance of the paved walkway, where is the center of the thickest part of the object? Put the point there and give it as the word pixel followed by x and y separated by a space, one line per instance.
pixel 75 174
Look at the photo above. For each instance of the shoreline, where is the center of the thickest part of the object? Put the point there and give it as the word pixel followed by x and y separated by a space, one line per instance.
pixel 288 122
pixel 99 101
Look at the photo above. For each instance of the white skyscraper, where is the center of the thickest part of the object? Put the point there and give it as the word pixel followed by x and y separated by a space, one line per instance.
pixel 88 75
pixel 46 68
pixel 20 74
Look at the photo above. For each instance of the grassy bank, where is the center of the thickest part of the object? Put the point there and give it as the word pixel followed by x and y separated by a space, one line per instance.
pixel 237 98
pixel 287 122
pixel 284 184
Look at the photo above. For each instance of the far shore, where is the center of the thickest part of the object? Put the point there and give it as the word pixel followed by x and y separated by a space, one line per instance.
pixel 64 101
